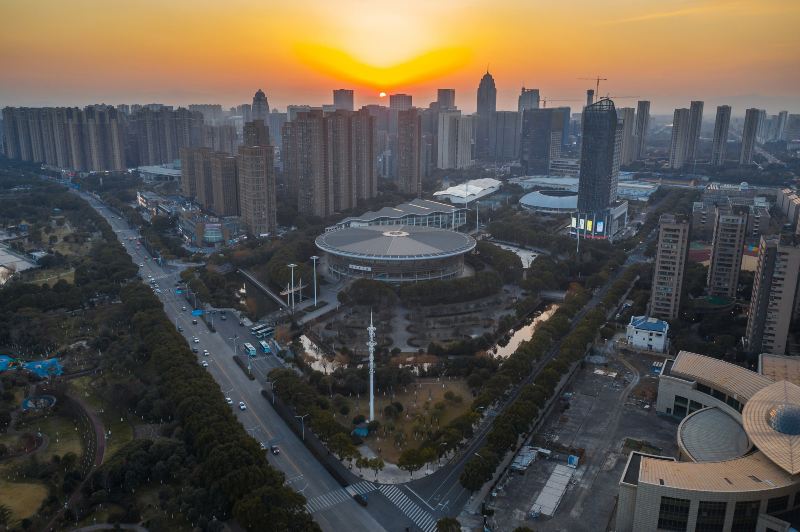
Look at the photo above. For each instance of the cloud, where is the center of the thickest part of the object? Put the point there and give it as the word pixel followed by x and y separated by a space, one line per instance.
pixel 683 12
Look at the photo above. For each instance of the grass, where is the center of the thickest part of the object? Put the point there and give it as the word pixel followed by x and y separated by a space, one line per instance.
pixel 112 418
pixel 61 436
pixel 428 393
pixel 22 498
pixel 51 277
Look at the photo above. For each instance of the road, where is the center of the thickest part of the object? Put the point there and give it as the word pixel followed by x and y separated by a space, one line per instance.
pixel 394 509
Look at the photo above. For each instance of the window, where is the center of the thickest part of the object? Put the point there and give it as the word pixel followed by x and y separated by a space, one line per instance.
pixel 710 516
pixel 745 516
pixel 718 395
pixel 680 400
pixel 734 404
pixel 777 505
pixel 673 514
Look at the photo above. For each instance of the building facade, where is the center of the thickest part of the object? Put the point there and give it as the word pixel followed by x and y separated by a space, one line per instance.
pixel 487 106
pixel 409 151
pixel 695 123
pixel 752 120
pixel 719 145
pixel 642 126
pixel 680 138
pixel 727 248
pixel 670 263
pixel 647 333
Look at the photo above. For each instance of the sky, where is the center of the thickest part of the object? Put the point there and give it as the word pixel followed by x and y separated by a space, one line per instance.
pixel 745 53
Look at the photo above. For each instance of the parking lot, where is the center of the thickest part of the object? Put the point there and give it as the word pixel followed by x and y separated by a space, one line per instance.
pixel 599 419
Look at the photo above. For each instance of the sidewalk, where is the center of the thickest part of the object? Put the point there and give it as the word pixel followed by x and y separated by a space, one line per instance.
pixel 391 474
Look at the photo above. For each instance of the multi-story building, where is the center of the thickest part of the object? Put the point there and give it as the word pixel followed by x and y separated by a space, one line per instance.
pixel 275 124
pixel 752 119
pixel 204 187
pixel 600 157
pixel 160 134
pixel 695 123
pixel 212 112
pixel 256 177
pixel 255 133
pixel 363 161
pixel 343 99
pixel 447 138
pixel 504 136
pixel 642 125
pixel 446 99
pixel 541 139
pixel 487 105
pixel 528 99
pixel 792 131
pixel 260 107
pixel 720 144
pixel 775 302
pixel 338 136
pixel 409 138
pixel 730 230
pixel 670 263
pixel 680 138
pixel 627 115
pixel 397 103
pixel 416 212
pixel 304 163
pixel 224 184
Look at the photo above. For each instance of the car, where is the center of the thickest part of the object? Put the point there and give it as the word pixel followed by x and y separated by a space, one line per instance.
pixel 204 364
pixel 194 350
pixel 241 324
pixel 242 406
pixel 196 340
pixel 223 318
pixel 229 400
pixel 275 449
pixel 205 352
pixel 194 322
pixel 141 265
pixel 360 499
pixel 262 445
pixel 158 290
pixel 183 308
pixel 180 329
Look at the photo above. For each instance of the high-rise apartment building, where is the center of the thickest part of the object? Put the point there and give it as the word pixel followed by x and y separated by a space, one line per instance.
pixel 680 138
pixel 275 126
pixel 670 263
pixel 540 139
pixel 225 184
pixel 343 99
pixel 363 154
pixel 304 164
pixel 695 123
pixel 528 99
pixel 220 138
pixel 792 131
pixel 780 126
pixel 159 134
pixel 627 115
pixel 204 187
pixel 730 229
pixel 409 144
pixel 212 112
pixel 465 149
pixel 504 136
pixel 338 169
pixel 487 106
pixel 256 177
pixel 722 124
pixel 455 139
pixel 642 125
pixel 188 183
pixel 255 133
pixel 397 103
pixel 260 107
pixel 752 119
pixel 600 157
pixel 775 303
pixel 446 98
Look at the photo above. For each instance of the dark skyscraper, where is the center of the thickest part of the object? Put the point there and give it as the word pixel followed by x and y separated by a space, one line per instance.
pixel 695 123
pixel 343 99
pixel 642 124
pixel 721 126
pixel 256 133
pixel 541 137
pixel 528 99
pixel 260 108
pixel 487 105
pixel 600 152
pixel 409 138
pixel 446 98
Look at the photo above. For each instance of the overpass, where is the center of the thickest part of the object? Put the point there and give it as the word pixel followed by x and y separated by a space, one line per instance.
pixel 264 288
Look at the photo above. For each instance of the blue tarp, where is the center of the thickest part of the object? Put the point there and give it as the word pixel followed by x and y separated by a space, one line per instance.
pixel 42 368
pixel 197 312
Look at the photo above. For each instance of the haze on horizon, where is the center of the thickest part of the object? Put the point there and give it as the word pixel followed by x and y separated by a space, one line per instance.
pixel 739 52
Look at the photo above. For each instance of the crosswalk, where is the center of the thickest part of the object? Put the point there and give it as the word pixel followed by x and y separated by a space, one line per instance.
pixel 338 496
pixel 421 518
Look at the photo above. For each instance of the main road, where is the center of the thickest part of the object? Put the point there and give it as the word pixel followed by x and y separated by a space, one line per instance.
pixel 390 508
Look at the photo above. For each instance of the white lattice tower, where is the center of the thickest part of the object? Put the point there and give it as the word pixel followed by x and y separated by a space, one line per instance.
pixel 371 345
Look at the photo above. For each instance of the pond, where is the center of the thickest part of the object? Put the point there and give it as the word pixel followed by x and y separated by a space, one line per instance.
pixel 524 333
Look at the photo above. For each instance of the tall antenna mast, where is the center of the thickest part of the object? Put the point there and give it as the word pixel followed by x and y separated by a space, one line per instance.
pixel 371 345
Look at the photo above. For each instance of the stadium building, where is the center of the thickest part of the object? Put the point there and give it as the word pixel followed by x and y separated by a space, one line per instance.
pixel 397 254
pixel 550 201
pixel 739 442
pixel 417 212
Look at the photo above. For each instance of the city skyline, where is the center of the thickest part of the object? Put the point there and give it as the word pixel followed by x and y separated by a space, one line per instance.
pixel 76 53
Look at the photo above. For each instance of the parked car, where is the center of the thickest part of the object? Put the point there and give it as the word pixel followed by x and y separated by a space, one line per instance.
pixel 194 322
pixel 183 308
pixel 229 400
pixel 196 340
pixel 204 364
pixel 206 353
pixel 194 350
pixel 180 329
pixel 275 450
pixel 242 406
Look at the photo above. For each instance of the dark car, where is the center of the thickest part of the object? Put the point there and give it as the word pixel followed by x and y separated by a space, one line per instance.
pixel 180 329
pixel 194 322
pixel 275 449
pixel 360 499
pixel 194 350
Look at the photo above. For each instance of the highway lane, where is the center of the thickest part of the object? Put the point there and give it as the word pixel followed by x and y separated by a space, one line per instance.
pixel 302 470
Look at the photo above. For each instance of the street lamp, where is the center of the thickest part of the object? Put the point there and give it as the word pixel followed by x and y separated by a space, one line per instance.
pixel 272 383
pixel 292 266
pixel 315 258
pixel 303 424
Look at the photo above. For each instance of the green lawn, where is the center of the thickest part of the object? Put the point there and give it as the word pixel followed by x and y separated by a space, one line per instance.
pixel 113 420
pixel 22 498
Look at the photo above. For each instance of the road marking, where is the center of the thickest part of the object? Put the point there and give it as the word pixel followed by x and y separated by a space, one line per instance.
pixel 421 518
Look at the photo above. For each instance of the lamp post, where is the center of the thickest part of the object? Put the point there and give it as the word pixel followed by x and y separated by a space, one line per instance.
pixel 314 259
pixel 272 383
pixel 292 266
pixel 303 424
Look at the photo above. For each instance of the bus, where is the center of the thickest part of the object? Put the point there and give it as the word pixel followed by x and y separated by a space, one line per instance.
pixel 249 349
pixel 257 329
pixel 264 346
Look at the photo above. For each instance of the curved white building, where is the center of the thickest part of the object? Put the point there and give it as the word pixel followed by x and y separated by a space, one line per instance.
pixel 739 442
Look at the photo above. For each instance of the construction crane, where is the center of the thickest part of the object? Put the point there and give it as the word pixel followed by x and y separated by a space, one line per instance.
pixel 597 81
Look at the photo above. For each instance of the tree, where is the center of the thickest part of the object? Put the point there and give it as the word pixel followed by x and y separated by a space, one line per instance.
pixel 5 515
pixel 448 524
pixel 411 460
pixel 341 445
pixel 376 464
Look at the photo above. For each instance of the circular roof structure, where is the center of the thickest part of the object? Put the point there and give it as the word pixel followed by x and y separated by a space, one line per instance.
pixel 712 435
pixel 550 200
pixel 772 421
pixel 397 242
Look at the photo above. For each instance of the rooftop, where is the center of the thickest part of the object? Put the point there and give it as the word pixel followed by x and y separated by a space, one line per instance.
pixel 551 200
pixel 396 242
pixel 646 323
pixel 712 435
pixel 420 207
pixel 473 187
pixel 772 420
pixel 780 368
pixel 734 380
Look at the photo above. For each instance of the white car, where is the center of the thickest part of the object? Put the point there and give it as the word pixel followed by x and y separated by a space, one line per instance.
pixel 183 308
pixel 205 352
pixel 242 406
pixel 229 400
pixel 204 364
pixel 158 290
pixel 196 340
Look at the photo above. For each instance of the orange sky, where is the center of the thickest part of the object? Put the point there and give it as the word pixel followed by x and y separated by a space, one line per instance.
pixel 59 52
